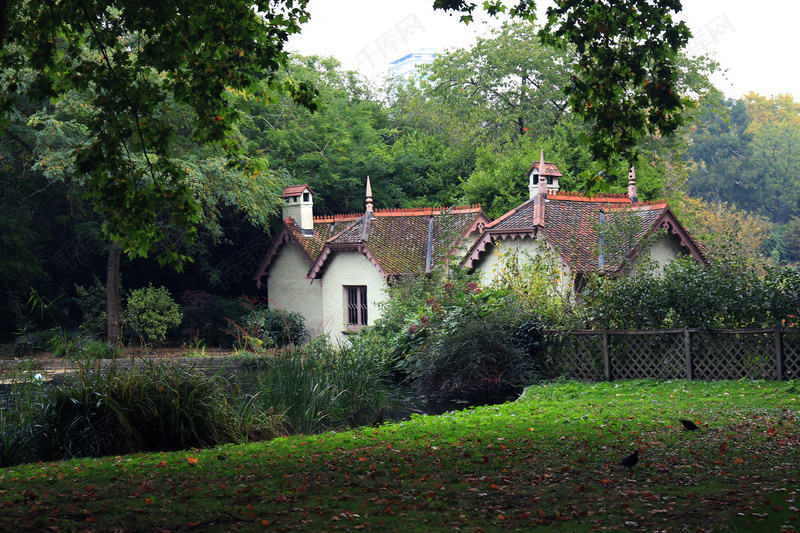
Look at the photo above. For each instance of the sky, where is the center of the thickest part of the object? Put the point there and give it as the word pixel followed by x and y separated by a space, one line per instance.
pixel 754 42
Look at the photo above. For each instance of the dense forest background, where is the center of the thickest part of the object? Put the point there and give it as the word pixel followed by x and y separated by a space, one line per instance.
pixel 466 132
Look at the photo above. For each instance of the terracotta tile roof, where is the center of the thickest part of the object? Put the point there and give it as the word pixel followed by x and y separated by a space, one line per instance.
pixel 311 244
pixel 550 169
pixel 519 217
pixel 571 224
pixel 397 239
pixel 295 190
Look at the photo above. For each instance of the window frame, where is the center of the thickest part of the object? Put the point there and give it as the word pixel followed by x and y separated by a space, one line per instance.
pixel 356 308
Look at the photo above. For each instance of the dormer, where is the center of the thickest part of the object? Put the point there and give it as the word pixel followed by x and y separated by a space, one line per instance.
pixel 298 204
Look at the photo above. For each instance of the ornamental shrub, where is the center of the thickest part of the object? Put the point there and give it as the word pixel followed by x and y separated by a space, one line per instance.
pixel 151 313
pixel 258 327
pixel 725 293
pixel 468 346
pixel 91 301
pixel 453 338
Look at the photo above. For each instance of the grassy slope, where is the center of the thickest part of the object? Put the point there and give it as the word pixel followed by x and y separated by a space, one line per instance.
pixel 547 460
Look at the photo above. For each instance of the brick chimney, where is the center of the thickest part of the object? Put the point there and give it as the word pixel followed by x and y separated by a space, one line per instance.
pixel 298 204
pixel 632 194
pixel 543 173
pixel 540 196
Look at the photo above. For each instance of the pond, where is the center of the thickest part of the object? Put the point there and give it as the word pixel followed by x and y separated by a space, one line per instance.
pixel 412 402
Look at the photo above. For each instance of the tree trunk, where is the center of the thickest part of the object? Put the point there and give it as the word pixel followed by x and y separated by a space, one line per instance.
pixel 112 295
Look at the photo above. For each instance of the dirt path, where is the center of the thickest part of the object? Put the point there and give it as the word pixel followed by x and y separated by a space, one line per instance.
pixel 50 367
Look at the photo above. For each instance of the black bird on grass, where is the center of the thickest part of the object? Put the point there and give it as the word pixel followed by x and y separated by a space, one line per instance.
pixel 688 424
pixel 631 460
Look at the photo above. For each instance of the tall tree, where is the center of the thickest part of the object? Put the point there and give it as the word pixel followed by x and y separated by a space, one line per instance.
pixel 719 147
pixel 61 130
pixel 747 152
pixel 507 82
pixel 626 80
pixel 131 56
pixel 333 149
pixel 132 62
pixel 775 154
pixel 720 226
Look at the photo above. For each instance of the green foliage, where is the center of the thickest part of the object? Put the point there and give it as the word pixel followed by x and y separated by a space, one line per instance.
pixel 63 343
pixel 792 239
pixel 782 288
pixel 92 302
pixel 21 397
pixel 426 169
pixel 151 312
pixel 116 411
pixel 200 314
pixel 499 183
pixel 91 350
pixel 720 226
pixel 719 148
pixel 19 266
pixel 59 342
pixel 625 81
pixel 332 149
pixel 259 327
pixel 318 386
pixel 536 284
pixel 746 154
pixel 281 327
pixel 472 350
pixel 454 338
pixel 211 320
pixel 723 294
pixel 503 86
pixel 116 54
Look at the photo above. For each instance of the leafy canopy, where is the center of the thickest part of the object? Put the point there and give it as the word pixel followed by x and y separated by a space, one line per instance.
pixel 130 57
pixel 626 80
pixel 626 77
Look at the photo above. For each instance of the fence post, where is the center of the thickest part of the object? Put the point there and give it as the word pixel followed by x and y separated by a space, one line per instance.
pixel 687 350
pixel 778 354
pixel 606 358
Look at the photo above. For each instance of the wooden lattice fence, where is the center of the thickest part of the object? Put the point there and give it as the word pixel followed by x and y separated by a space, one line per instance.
pixel 593 355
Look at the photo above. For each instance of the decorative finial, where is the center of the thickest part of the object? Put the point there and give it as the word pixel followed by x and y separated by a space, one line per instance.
pixel 369 199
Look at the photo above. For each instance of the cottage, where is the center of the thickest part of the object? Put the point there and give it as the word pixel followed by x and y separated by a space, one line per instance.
pixel 605 233
pixel 334 270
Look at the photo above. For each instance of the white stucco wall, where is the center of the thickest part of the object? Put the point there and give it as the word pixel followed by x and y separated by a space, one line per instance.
pixel 347 268
pixel 663 250
pixel 491 264
pixel 288 288
pixel 460 251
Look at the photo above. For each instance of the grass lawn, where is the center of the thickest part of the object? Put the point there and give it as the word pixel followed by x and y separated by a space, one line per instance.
pixel 549 460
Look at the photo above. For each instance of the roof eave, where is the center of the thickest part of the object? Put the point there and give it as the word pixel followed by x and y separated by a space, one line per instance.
pixel 284 236
pixel 490 236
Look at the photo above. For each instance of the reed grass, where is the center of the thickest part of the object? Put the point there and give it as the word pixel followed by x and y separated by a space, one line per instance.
pixel 319 386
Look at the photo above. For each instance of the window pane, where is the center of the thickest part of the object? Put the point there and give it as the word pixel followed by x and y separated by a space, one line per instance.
pixel 363 307
pixel 356 305
pixel 352 305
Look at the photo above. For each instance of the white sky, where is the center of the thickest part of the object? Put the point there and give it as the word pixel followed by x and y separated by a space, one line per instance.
pixel 756 42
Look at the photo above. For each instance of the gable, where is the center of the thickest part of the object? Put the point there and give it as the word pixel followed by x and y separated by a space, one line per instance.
pixel 572 225
pixel 404 241
pixel 310 244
